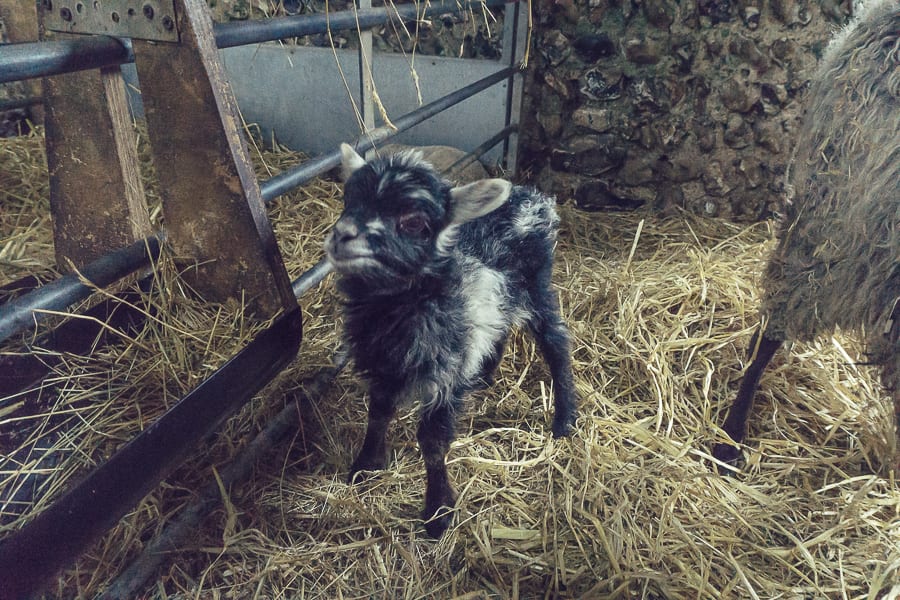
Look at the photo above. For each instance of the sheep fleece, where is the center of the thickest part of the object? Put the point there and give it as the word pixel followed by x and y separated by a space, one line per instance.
pixel 836 262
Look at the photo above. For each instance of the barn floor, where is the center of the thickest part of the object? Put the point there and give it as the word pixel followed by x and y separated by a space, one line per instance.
pixel 630 507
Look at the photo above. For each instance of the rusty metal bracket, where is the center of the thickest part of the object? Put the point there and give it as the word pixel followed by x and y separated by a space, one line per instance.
pixel 139 19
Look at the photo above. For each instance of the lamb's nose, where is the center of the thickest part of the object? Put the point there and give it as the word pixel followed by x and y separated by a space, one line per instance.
pixel 344 231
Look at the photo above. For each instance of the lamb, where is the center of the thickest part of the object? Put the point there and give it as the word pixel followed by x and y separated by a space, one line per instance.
pixel 837 261
pixel 432 278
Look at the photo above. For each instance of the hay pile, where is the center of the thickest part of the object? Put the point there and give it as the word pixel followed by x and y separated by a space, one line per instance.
pixel 630 506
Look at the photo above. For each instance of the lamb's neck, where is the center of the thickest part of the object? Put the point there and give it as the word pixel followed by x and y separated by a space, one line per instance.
pixel 416 290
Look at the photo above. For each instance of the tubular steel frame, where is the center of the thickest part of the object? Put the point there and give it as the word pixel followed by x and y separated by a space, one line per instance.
pixel 43 59
pixel 31 556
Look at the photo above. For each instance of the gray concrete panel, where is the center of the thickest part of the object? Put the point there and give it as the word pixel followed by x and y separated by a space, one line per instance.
pixel 298 93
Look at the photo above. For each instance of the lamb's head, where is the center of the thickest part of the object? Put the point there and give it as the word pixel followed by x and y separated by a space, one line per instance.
pixel 400 216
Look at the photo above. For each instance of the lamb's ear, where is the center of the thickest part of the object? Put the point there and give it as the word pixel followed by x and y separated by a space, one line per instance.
pixel 478 199
pixel 350 161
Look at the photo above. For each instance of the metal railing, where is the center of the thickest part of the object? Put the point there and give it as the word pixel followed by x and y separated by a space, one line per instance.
pixel 45 59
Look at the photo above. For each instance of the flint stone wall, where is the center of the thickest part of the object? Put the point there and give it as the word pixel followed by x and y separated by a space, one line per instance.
pixel 666 103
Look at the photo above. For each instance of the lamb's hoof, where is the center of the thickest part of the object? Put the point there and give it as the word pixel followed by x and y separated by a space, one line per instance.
pixel 361 470
pixel 563 427
pixel 728 454
pixel 437 521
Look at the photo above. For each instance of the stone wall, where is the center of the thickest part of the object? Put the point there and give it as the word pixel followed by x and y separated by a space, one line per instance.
pixel 670 103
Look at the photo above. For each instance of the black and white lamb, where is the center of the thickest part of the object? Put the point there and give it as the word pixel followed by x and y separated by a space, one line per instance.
pixel 433 277
pixel 837 262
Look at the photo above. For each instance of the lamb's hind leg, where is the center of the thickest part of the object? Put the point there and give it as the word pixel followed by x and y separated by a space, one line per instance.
pixel 736 422
pixel 555 344
pixel 436 432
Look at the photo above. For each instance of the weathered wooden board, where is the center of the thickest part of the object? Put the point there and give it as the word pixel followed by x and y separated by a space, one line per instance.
pixel 96 195
pixel 215 216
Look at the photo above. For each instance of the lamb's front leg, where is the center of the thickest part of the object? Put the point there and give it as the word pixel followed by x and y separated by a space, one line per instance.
pixel 436 431
pixel 382 407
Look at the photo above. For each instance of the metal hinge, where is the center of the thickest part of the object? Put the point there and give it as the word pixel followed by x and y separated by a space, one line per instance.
pixel 139 19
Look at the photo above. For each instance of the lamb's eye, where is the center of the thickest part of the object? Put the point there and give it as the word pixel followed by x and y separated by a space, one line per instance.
pixel 414 225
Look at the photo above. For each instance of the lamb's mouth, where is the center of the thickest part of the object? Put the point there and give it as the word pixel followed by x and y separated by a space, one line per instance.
pixel 349 257
pixel 345 262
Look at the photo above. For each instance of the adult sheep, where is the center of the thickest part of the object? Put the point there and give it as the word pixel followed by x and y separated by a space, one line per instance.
pixel 837 261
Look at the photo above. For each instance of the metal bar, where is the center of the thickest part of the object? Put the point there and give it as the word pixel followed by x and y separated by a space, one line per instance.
pixel 242 33
pixel 44 59
pixel 366 80
pixel 283 182
pixel 32 555
pixel 311 278
pixel 31 308
pixel 481 149
pixel 515 43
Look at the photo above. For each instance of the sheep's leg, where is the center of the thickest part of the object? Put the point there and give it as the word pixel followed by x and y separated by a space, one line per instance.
pixel 890 378
pixel 373 454
pixel 895 395
pixel 553 340
pixel 736 422
pixel 436 432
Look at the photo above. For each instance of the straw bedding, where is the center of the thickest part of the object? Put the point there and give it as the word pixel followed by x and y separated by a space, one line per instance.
pixel 630 507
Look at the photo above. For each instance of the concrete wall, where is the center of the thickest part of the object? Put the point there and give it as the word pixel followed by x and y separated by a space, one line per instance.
pixel 299 94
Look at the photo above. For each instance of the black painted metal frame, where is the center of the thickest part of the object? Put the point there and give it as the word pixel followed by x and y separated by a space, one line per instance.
pixel 32 555
pixel 45 59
